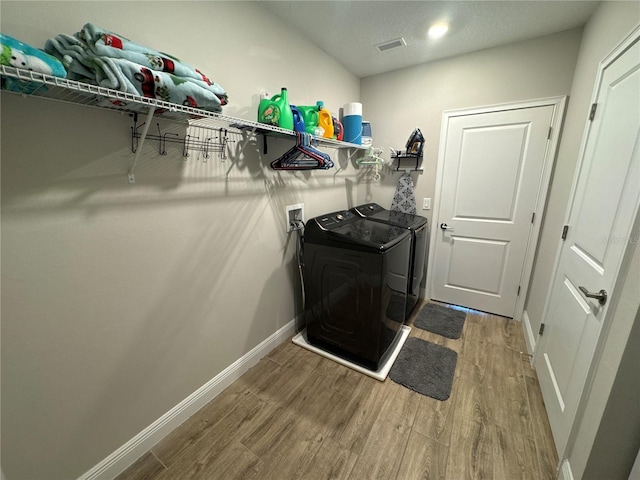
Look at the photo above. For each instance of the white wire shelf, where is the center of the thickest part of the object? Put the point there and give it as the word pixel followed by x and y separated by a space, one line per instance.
pixel 79 93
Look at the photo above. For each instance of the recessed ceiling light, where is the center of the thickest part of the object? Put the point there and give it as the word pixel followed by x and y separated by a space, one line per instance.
pixel 438 30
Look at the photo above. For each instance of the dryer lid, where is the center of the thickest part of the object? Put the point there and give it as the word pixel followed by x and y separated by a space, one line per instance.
pixel 366 233
pixel 373 211
pixel 407 220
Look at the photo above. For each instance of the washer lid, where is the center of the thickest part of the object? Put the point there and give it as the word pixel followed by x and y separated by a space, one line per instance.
pixel 376 235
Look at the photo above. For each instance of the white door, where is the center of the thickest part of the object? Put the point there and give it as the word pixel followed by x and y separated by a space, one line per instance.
pixel 603 206
pixel 492 180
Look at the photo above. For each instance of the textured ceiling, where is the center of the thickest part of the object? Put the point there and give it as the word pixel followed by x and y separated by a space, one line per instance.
pixel 349 30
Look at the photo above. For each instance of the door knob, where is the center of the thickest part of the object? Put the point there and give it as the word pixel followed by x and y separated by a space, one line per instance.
pixel 444 226
pixel 601 296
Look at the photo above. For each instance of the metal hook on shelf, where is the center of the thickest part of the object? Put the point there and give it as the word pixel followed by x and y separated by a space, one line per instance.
pixel 206 149
pixel 161 149
pixel 164 141
pixel 223 144
pixel 185 150
pixel 134 133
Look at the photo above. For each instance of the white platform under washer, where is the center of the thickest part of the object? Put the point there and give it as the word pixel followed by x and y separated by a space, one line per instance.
pixel 385 364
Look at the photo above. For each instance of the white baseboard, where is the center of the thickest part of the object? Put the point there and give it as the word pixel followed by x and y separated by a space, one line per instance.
pixel 128 453
pixel 565 472
pixel 529 337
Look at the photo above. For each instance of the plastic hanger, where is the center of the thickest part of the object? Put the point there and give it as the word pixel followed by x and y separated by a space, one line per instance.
pixel 302 156
pixel 372 157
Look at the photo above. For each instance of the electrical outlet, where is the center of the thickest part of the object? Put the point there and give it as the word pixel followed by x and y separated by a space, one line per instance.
pixel 426 204
pixel 294 215
pixel 264 95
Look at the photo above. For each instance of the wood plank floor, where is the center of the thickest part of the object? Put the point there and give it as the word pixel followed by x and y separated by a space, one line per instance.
pixel 297 415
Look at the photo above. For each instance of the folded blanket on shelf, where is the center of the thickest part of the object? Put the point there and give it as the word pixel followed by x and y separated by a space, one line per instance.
pixel 14 53
pixel 103 58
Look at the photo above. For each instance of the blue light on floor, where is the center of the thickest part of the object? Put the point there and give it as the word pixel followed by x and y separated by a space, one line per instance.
pixel 467 310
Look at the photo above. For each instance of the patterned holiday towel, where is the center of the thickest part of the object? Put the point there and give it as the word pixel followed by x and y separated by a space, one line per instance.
pixel 14 53
pixel 110 60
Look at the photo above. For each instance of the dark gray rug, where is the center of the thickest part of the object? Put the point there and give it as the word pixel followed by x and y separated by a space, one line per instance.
pixel 425 367
pixel 440 320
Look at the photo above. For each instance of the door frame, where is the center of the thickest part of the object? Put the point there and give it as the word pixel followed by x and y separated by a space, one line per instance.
pixel 564 467
pixel 559 103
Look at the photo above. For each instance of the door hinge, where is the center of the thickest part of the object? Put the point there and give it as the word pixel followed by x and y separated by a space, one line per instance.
pixel 541 331
pixel 592 114
pixel 565 229
pixel 549 134
pixel 533 217
pixel 518 294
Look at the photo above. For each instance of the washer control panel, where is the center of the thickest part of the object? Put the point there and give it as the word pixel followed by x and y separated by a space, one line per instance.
pixel 335 219
pixel 368 209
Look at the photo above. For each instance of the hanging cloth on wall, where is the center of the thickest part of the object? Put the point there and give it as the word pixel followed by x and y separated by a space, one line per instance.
pixel 404 200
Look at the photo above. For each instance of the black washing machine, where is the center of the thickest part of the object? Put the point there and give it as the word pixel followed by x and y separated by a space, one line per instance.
pixel 415 224
pixel 353 269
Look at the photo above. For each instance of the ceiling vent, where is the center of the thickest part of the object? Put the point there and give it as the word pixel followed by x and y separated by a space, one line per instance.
pixel 398 42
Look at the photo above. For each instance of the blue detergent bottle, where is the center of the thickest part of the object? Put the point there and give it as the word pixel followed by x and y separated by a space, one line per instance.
pixel 298 121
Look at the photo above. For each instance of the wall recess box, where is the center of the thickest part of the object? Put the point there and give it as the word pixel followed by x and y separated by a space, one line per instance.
pixel 294 214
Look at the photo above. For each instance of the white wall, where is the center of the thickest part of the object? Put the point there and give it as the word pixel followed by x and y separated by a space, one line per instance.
pixel 119 301
pixel 399 101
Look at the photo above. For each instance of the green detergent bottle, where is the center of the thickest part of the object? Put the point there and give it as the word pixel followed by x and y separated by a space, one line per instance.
pixel 310 116
pixel 276 111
